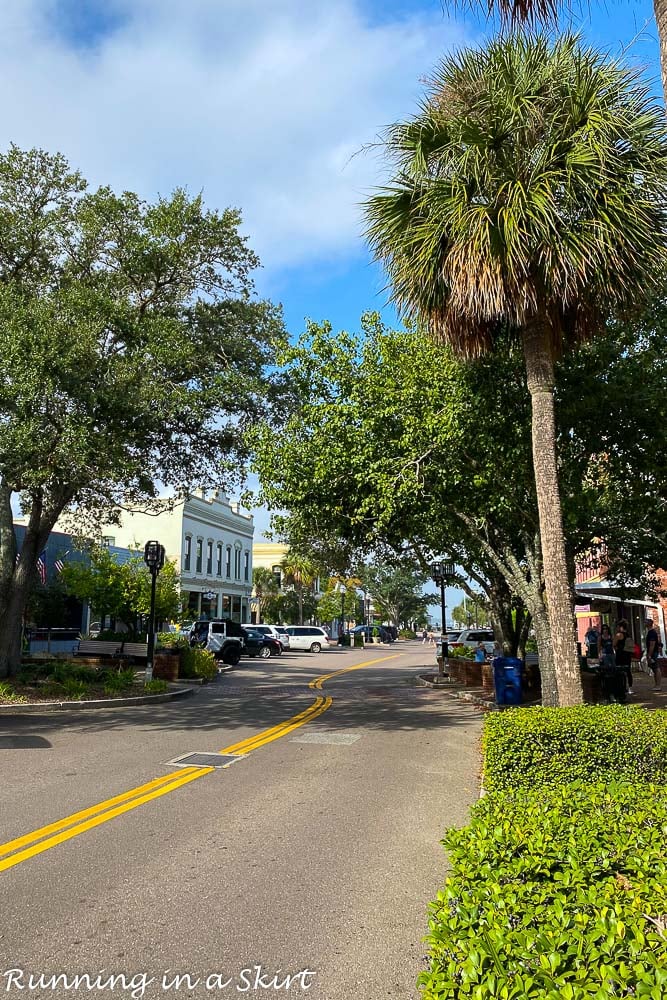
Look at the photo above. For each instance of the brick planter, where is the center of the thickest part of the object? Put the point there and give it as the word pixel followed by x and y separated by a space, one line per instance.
pixel 487 678
pixel 472 674
pixel 166 666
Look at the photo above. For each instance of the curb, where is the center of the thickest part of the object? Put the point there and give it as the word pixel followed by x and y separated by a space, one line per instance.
pixel 48 707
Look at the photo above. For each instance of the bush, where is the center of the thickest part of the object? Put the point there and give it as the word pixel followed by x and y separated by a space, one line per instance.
pixel 73 689
pixel 117 681
pixel 156 687
pixel 7 693
pixel 529 747
pixel 461 653
pixel 63 672
pixel 407 633
pixel 172 640
pixel 555 893
pixel 198 663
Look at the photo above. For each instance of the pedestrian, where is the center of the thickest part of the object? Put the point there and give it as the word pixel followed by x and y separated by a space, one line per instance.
pixel 592 640
pixel 623 650
pixel 607 658
pixel 653 652
pixel 424 637
pixel 431 639
pixel 480 652
pixel 497 650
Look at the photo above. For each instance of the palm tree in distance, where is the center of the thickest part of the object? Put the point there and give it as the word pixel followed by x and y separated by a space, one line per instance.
pixel 528 196
pixel 264 585
pixel 301 573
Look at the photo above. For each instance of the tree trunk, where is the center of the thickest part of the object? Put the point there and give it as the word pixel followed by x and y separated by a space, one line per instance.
pixel 545 656
pixel 660 10
pixel 538 354
pixel 300 598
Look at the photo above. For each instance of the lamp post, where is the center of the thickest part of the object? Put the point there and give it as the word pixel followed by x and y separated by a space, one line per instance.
pixel 154 558
pixel 441 571
pixel 342 589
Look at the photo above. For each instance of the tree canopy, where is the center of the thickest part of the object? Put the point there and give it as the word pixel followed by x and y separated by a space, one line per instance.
pixel 135 355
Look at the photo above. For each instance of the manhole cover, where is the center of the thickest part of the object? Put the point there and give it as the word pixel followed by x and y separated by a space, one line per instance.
pixel 340 738
pixel 205 759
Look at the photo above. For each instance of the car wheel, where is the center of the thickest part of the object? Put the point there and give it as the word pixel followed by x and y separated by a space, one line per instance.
pixel 231 657
pixel 265 652
pixel 315 647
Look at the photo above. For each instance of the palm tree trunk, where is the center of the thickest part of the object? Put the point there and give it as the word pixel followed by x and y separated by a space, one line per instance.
pixel 660 10
pixel 538 355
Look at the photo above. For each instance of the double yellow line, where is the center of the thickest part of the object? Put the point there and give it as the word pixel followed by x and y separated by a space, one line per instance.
pixel 22 848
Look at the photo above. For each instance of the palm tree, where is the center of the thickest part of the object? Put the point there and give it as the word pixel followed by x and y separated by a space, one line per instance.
pixel 529 196
pixel 264 585
pixel 517 12
pixel 300 572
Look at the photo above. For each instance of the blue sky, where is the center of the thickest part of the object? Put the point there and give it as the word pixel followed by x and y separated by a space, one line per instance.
pixel 267 105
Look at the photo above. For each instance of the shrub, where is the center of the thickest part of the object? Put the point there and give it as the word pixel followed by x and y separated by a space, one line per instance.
pixel 115 682
pixel 156 687
pixel 7 693
pixel 63 672
pixel 407 633
pixel 198 663
pixel 555 893
pixel 74 689
pixel 461 653
pixel 172 640
pixel 527 747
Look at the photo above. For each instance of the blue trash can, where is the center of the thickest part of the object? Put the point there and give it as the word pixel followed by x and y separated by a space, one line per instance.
pixel 508 679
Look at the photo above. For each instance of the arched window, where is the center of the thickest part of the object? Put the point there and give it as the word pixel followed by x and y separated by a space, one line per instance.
pixel 237 562
pixel 209 558
pixel 187 553
pixel 228 562
pixel 200 549
pixel 246 565
pixel 218 567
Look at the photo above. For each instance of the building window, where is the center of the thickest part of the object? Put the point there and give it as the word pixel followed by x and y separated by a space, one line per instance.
pixel 188 553
pixel 209 558
pixel 237 564
pixel 246 565
pixel 277 576
pixel 218 567
pixel 200 547
pixel 228 562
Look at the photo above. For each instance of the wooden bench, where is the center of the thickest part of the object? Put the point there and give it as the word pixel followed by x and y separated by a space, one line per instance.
pixel 95 647
pixel 115 650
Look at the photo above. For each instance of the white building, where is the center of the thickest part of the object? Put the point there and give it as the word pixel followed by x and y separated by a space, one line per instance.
pixel 211 542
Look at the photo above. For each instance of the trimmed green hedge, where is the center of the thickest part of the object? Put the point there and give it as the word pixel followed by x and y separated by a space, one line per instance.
pixel 529 747
pixel 556 894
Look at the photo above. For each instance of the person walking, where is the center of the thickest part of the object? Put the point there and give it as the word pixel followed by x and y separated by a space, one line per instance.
pixel 592 640
pixel 424 637
pixel 652 653
pixel 623 650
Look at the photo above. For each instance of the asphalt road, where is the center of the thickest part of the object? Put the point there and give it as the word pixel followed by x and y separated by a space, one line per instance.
pixel 313 855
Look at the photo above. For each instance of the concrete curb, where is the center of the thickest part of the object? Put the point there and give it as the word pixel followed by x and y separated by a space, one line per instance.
pixel 48 707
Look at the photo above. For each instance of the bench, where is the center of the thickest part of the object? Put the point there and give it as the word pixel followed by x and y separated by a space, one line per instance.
pixel 113 649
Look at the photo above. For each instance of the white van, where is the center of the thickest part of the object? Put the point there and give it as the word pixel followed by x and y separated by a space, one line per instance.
pixel 307 637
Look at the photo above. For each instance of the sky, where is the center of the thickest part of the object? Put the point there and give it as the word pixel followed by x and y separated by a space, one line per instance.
pixel 272 106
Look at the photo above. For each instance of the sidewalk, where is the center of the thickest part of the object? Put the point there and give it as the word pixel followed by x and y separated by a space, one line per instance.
pixel 642 686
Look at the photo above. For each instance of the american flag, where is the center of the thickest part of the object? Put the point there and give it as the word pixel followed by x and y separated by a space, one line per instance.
pixel 59 565
pixel 41 567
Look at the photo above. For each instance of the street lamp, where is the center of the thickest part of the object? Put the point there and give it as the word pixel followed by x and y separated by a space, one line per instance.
pixel 342 590
pixel 154 558
pixel 441 572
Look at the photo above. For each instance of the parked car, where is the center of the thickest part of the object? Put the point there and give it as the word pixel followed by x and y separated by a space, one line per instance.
pixel 311 638
pixel 271 630
pixel 258 644
pixel 471 637
pixel 283 636
pixel 221 637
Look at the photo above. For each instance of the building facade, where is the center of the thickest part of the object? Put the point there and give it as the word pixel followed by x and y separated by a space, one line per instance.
pixel 210 540
pixel 602 601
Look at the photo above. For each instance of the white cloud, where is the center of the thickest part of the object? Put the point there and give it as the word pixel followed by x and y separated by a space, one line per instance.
pixel 259 103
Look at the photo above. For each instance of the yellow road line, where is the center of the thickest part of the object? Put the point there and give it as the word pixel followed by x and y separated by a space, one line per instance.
pixel 317 683
pixel 21 848
pixel 14 845
pixel 104 817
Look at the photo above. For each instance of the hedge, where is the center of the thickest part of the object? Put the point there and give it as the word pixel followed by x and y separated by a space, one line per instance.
pixel 530 747
pixel 556 894
pixel 198 663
